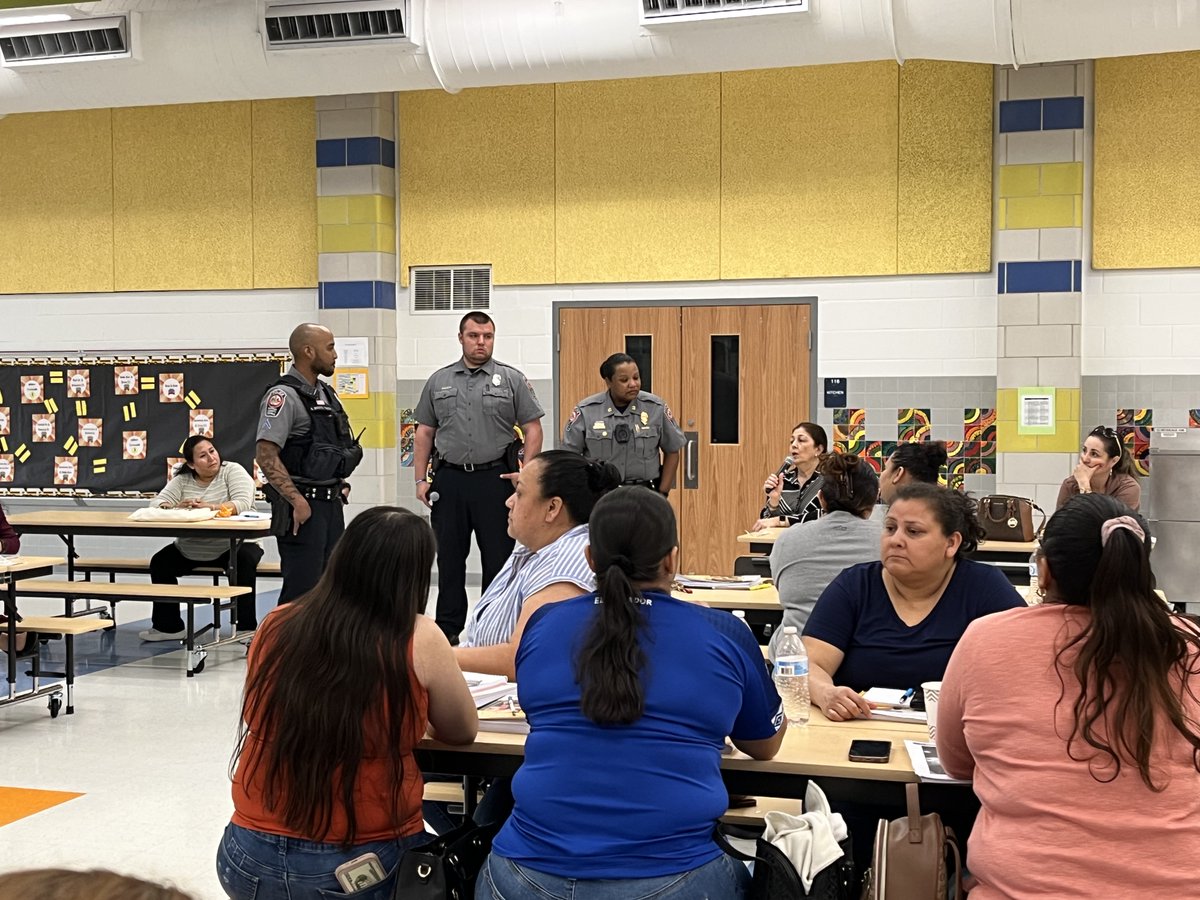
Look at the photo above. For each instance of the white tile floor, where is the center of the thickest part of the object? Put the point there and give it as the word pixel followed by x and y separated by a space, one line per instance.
pixel 149 749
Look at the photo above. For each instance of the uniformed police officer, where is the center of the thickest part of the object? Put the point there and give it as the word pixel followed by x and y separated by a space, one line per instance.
pixel 306 450
pixel 467 411
pixel 627 427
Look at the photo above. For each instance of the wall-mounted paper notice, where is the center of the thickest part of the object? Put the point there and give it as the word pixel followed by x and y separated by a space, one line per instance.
pixel 1035 410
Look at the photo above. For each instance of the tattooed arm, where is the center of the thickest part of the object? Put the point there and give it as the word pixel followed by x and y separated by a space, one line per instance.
pixel 267 456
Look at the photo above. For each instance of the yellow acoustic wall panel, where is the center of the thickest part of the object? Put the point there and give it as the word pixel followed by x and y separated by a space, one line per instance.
pixel 477 181
pixel 638 166
pixel 808 171
pixel 1146 175
pixel 945 168
pixel 283 135
pixel 183 213
pixel 56 225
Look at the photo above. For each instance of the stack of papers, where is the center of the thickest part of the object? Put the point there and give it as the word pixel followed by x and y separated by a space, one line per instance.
pixel 486 688
pixel 926 764
pixel 893 705
pixel 504 714
pixel 721 582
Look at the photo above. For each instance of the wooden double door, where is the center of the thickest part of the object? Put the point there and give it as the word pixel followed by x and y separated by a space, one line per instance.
pixel 737 379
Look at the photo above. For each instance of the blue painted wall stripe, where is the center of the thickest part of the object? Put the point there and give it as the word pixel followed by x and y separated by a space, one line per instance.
pixel 1020 115
pixel 357 295
pixel 1045 277
pixel 1062 112
pixel 363 151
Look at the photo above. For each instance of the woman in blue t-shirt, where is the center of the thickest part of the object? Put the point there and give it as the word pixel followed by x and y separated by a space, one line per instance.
pixel 894 623
pixel 621 785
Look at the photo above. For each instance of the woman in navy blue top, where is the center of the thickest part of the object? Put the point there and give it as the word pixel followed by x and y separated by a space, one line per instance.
pixel 630 695
pixel 894 623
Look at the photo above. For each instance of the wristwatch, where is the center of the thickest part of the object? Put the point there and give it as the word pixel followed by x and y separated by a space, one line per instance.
pixel 422 481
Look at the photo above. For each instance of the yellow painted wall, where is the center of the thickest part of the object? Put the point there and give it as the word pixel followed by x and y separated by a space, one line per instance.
pixel 834 170
pixel 284 188
pixel 945 168
pixel 808 171
pixel 56 225
pixel 204 196
pixel 638 177
pixel 1146 177
pixel 477 181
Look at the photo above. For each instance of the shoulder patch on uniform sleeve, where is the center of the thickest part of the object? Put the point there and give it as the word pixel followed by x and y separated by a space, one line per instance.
pixel 275 401
pixel 670 415
pixel 575 414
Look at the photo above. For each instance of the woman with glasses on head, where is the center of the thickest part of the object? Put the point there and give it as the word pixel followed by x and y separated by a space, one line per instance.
pixel 1104 467
pixel 1078 721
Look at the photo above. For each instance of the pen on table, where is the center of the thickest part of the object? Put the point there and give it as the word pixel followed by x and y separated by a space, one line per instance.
pixel 759 587
pixel 907 695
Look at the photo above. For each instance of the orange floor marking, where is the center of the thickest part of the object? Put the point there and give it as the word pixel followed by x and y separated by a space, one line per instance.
pixel 17 803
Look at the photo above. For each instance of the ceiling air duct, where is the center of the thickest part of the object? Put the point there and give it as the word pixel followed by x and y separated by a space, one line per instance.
pixel 660 12
pixel 299 25
pixel 74 40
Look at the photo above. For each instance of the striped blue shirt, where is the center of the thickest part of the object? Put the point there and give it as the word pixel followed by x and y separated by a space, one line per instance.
pixel 524 574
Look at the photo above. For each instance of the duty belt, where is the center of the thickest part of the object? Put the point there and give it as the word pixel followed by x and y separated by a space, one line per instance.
pixel 474 467
pixel 645 483
pixel 329 492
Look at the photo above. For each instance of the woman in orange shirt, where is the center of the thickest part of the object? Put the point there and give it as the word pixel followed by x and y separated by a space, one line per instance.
pixel 1077 720
pixel 340 686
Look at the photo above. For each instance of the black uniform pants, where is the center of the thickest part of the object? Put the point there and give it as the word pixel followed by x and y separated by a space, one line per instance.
pixel 302 556
pixel 168 564
pixel 468 502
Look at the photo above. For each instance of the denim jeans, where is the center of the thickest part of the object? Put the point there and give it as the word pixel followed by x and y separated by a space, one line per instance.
pixel 254 865
pixel 502 879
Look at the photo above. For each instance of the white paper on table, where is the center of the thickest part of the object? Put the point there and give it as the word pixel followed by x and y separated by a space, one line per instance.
pixel 926 764
pixel 912 716
pixel 250 516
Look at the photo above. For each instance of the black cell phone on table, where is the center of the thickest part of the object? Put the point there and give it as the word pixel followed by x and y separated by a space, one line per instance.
pixel 870 751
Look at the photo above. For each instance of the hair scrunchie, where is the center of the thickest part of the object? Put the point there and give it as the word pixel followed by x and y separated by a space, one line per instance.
pixel 1118 522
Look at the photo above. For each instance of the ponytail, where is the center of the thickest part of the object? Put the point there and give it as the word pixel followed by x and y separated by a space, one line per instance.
pixel 1134 660
pixel 632 530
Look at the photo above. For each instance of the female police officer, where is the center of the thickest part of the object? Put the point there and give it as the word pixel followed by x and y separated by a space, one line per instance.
pixel 627 427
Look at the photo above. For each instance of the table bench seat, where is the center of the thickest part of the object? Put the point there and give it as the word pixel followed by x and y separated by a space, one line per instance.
pixel 111 566
pixel 221 597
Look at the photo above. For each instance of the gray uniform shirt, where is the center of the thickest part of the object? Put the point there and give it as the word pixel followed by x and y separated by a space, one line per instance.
pixel 281 414
pixel 810 555
pixel 592 431
pixel 474 411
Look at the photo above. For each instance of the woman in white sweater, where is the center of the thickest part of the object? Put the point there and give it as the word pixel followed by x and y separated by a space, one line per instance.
pixel 203 482
pixel 809 556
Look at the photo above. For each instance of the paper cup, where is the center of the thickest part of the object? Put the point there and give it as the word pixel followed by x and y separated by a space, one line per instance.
pixel 932 689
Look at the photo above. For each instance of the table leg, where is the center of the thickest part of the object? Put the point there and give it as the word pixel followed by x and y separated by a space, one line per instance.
pixel 70 673
pixel 10 611
pixel 232 572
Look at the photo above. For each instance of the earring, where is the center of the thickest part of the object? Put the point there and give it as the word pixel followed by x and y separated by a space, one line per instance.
pixel 1041 592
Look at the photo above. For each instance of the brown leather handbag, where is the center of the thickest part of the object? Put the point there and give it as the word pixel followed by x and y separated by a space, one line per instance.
pixel 909 861
pixel 1006 518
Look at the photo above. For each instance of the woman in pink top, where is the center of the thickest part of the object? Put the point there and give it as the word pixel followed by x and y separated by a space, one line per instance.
pixel 1078 722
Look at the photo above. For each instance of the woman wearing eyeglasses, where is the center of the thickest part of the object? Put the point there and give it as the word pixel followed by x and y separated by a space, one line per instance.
pixel 1105 467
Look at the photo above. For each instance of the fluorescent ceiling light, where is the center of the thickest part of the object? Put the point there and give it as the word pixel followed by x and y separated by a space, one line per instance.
pixel 34 20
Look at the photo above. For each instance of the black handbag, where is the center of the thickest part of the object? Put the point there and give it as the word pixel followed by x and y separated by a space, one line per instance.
pixel 775 878
pixel 446 867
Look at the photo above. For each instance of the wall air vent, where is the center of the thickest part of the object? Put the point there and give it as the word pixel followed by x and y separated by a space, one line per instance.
pixel 660 12
pixel 450 288
pixel 292 25
pixel 76 40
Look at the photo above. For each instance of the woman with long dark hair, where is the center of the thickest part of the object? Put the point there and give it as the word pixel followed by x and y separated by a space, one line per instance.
pixel 621 785
pixel 341 684
pixel 1079 722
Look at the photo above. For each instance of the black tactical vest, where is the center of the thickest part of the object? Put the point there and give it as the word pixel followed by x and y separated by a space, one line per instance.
pixel 330 451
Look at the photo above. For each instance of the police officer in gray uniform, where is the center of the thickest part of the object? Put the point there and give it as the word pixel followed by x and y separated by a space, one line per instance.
pixel 305 449
pixel 627 427
pixel 467 411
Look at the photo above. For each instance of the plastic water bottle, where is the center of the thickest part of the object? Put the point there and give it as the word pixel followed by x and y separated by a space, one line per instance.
pixel 791 676
pixel 1033 599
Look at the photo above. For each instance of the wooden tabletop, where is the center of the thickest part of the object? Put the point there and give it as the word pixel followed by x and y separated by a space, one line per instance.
pixel 819 748
pixel 760 598
pixel 95 521
pixel 29 563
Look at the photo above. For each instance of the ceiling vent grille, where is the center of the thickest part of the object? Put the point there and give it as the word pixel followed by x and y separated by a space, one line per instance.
pixel 662 11
pixel 451 288
pixel 78 40
pixel 326 24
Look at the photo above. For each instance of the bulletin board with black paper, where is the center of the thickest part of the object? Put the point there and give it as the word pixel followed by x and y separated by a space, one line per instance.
pixel 104 425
